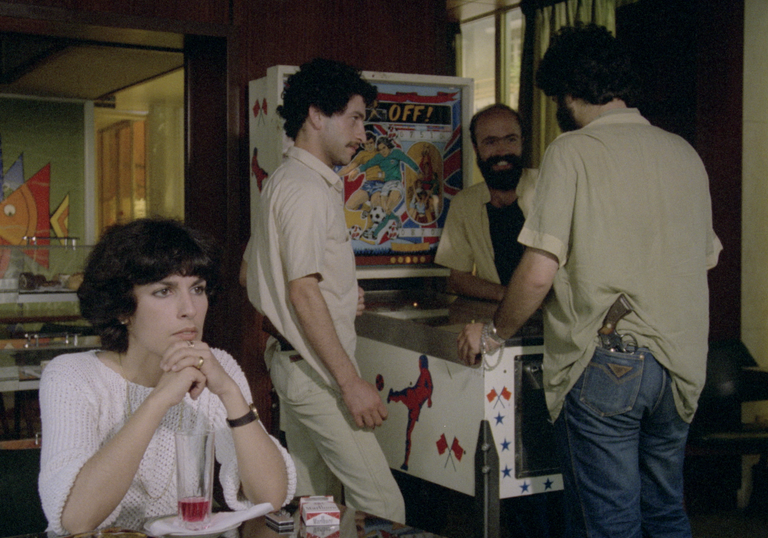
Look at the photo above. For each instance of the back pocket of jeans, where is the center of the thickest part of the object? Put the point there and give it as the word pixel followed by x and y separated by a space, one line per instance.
pixel 612 382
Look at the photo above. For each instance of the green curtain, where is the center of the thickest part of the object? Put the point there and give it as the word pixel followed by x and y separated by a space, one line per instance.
pixel 542 19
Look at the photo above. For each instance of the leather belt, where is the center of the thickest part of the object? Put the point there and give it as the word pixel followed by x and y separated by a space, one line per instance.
pixel 270 329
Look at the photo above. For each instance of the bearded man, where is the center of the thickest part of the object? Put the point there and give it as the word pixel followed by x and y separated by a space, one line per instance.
pixel 479 242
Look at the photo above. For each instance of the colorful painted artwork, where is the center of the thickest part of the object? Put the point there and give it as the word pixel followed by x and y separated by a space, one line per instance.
pixel 414 397
pixel 398 187
pixel 24 212
pixel 42 159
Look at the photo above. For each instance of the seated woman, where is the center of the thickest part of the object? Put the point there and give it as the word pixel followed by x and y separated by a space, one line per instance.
pixel 109 416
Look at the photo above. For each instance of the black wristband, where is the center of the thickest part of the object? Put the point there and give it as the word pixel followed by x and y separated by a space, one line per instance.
pixel 247 418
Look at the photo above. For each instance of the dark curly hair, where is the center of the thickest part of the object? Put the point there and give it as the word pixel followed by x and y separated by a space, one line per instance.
pixel 587 62
pixel 325 84
pixel 140 252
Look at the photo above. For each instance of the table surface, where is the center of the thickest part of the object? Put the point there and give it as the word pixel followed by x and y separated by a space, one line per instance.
pixel 353 524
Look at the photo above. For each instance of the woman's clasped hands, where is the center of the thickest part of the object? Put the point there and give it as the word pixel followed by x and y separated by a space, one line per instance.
pixel 191 365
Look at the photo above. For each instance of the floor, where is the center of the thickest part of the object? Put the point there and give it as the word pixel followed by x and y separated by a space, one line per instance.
pixel 451 515
pixel 732 524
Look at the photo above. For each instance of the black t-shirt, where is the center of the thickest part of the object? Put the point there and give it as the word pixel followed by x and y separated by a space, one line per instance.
pixel 505 224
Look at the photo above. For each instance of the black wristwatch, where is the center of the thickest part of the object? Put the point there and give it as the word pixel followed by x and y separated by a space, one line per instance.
pixel 247 418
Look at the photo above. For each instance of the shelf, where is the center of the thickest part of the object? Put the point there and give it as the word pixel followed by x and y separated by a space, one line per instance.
pixel 37 274
pixel 21 297
pixel 60 296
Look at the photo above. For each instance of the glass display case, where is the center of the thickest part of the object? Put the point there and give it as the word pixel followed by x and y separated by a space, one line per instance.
pixel 39 310
pixel 39 280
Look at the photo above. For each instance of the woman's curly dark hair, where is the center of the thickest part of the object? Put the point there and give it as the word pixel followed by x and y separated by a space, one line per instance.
pixel 587 62
pixel 325 84
pixel 140 252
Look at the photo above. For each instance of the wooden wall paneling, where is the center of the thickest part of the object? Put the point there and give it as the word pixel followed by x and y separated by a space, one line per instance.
pixel 719 90
pixel 203 11
pixel 206 182
pixel 217 198
pixel 690 55
pixel 397 36
pixel 246 339
pixel 662 37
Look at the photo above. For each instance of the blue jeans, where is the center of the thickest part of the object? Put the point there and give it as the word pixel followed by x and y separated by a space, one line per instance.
pixel 622 445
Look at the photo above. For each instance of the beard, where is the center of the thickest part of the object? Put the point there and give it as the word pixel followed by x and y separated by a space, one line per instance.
pixel 501 180
pixel 565 118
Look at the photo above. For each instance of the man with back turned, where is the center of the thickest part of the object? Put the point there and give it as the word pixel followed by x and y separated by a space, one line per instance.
pixel 621 208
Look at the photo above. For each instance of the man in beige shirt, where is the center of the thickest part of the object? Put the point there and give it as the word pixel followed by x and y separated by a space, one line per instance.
pixel 622 208
pixel 479 241
pixel 300 271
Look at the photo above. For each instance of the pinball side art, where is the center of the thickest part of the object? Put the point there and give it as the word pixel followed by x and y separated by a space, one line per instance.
pixel 432 434
pixel 399 185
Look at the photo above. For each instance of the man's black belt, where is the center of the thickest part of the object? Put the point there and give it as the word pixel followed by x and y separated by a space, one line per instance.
pixel 270 329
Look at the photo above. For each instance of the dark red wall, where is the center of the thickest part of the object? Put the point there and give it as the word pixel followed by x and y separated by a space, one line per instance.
pixel 691 58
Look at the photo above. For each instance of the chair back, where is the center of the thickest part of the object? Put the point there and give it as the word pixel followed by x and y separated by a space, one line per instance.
pixel 20 509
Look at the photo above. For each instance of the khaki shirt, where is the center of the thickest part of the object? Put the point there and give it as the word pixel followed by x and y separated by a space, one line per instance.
pixel 465 244
pixel 625 208
pixel 299 230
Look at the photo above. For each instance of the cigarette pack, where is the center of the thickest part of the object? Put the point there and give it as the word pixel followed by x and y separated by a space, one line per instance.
pixel 281 521
pixel 319 510
pixel 327 531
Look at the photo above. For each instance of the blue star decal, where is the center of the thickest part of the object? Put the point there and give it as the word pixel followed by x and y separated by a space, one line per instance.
pixel 499 419
pixel 505 445
pixel 547 484
pixel 524 487
pixel 506 472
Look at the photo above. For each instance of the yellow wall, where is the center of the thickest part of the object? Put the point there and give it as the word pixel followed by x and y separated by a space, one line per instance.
pixel 754 294
pixel 754 271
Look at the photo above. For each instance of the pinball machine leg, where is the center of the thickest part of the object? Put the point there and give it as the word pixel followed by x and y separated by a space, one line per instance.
pixel 487 481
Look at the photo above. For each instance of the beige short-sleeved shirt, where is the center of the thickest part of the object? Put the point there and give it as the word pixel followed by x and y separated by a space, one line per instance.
pixel 465 244
pixel 625 207
pixel 299 230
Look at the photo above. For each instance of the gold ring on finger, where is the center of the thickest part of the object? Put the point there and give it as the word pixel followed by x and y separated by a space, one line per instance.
pixel 200 363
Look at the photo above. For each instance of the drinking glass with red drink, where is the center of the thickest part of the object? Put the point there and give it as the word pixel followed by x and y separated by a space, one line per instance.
pixel 194 473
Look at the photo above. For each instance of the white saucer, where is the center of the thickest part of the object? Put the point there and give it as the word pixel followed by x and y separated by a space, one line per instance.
pixel 210 532
pixel 220 522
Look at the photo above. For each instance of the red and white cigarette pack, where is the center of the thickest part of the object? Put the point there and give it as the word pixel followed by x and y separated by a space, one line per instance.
pixel 319 510
pixel 326 531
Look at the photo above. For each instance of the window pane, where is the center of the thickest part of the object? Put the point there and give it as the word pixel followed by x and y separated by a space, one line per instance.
pixel 478 58
pixel 513 24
